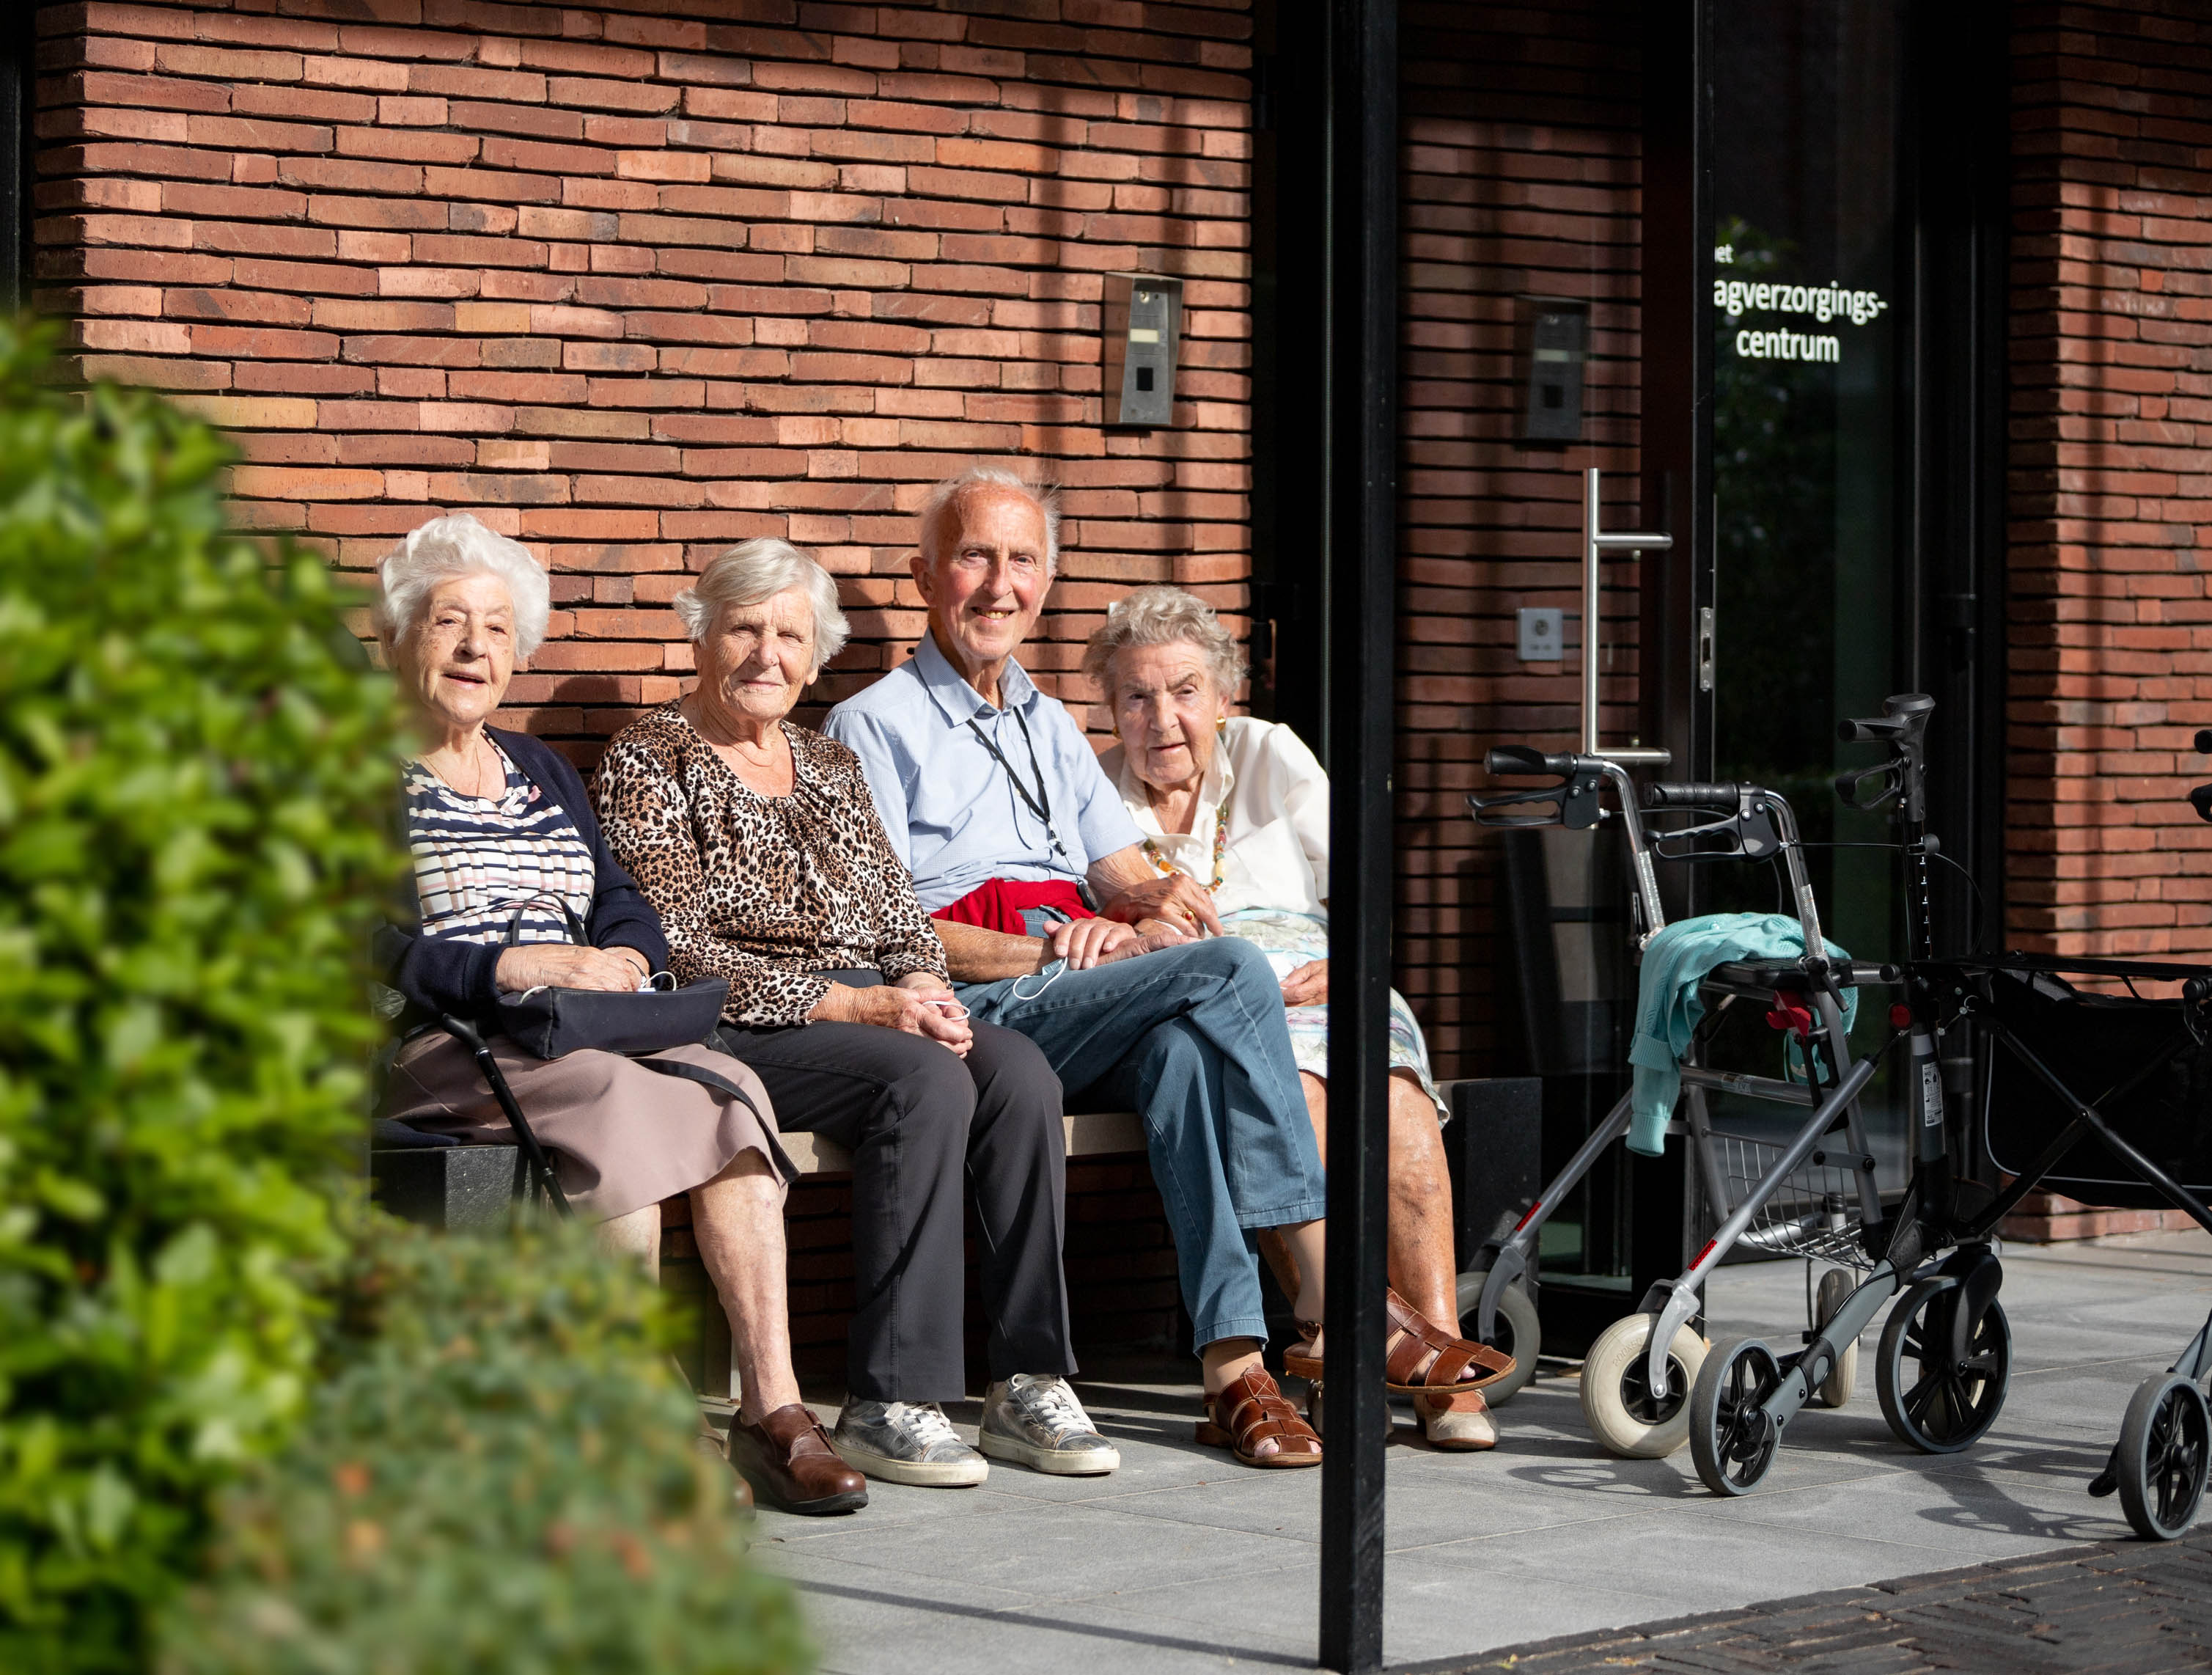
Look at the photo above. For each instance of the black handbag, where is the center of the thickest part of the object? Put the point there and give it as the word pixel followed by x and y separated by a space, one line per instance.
pixel 552 1022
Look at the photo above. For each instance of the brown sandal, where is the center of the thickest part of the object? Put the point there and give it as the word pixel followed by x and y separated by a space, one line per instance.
pixel 1418 1359
pixel 1250 1411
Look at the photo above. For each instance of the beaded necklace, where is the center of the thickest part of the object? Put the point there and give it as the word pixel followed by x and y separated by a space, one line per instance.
pixel 1220 848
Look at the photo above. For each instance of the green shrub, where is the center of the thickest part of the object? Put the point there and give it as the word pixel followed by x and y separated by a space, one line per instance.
pixel 499 1479
pixel 195 783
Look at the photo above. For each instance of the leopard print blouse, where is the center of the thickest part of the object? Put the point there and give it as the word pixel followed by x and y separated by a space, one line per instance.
pixel 767 892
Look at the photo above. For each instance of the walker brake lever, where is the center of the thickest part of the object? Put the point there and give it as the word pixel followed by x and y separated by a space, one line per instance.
pixel 1573 801
pixel 1749 829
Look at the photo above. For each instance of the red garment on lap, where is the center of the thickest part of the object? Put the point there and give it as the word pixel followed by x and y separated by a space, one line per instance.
pixel 997 904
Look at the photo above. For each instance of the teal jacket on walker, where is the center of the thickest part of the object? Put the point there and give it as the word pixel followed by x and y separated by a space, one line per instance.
pixel 1669 1006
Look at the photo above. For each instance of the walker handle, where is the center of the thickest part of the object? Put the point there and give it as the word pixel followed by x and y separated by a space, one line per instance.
pixel 1525 759
pixel 1692 794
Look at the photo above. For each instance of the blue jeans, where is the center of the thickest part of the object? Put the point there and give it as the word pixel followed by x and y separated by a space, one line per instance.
pixel 1193 1037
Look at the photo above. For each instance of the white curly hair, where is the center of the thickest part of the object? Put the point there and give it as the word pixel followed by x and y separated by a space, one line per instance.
pixel 453 546
pixel 1165 616
pixel 761 569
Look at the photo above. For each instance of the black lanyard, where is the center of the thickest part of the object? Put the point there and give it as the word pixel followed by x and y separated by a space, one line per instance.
pixel 1040 805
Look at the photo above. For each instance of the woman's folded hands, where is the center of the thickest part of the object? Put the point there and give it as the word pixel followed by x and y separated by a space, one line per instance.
pixel 1308 986
pixel 919 1003
pixel 565 965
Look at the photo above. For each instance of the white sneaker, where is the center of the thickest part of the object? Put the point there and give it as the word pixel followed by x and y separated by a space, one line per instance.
pixel 1033 1418
pixel 907 1442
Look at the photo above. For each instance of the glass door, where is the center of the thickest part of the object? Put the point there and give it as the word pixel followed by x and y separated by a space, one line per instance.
pixel 1804 589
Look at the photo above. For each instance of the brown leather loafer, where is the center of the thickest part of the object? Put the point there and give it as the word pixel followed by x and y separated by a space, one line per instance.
pixel 789 1459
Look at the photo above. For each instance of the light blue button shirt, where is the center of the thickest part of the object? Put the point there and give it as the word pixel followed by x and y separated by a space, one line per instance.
pixel 948 805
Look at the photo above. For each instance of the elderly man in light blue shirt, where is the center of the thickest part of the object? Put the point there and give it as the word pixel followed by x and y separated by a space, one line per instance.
pixel 989 790
pixel 955 815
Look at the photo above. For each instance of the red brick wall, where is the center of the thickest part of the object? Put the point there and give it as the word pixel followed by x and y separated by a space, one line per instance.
pixel 1522 176
pixel 635 284
pixel 2110 482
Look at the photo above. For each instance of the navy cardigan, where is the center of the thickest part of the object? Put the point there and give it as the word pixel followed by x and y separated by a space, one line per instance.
pixel 437 976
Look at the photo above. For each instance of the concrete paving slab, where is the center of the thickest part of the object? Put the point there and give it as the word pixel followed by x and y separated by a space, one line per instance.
pixel 865 1627
pixel 1182 1561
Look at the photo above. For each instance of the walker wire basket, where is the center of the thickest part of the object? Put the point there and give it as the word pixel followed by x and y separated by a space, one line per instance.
pixel 1813 1210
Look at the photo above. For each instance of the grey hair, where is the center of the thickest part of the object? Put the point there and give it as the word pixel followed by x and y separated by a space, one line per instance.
pixel 445 549
pixel 1163 616
pixel 942 498
pixel 760 570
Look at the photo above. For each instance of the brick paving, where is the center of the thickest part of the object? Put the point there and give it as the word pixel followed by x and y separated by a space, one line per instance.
pixel 2128 1607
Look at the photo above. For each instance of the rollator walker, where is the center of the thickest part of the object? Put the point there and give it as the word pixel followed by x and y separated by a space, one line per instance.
pixel 2142 1139
pixel 1813 1194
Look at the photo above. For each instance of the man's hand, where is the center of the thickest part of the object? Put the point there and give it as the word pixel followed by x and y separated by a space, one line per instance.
pixel 1160 936
pixel 897 1006
pixel 564 965
pixel 1176 898
pixel 1308 986
pixel 1084 943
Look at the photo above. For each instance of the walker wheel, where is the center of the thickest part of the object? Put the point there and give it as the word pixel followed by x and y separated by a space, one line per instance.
pixel 1931 1405
pixel 1835 1288
pixel 1732 1441
pixel 2165 1453
pixel 1518 1332
pixel 1622 1410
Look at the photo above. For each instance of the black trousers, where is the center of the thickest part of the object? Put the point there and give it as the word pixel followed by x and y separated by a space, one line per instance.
pixel 913 1115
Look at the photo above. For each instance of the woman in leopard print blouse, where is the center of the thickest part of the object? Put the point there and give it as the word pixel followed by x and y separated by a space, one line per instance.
pixel 757 841
pixel 771 891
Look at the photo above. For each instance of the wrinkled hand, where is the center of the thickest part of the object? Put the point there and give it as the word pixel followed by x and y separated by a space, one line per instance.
pixel 896 1006
pixel 926 985
pixel 1308 986
pixel 1084 943
pixel 1160 936
pixel 563 966
pixel 1176 898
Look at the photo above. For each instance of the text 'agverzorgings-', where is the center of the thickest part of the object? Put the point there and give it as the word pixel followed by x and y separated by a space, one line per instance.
pixel 1824 302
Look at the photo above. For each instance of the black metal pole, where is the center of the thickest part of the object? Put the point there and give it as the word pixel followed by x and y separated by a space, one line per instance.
pixel 1363 567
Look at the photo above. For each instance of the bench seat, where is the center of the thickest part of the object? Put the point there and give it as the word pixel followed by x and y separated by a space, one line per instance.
pixel 470 1186
pixel 1090 1133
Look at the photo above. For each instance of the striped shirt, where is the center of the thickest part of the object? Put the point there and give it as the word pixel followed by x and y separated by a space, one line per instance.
pixel 479 860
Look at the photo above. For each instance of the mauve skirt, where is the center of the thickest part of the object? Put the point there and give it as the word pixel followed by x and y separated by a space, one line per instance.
pixel 622 1136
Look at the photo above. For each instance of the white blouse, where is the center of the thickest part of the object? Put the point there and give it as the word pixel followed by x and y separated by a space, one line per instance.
pixel 1275 850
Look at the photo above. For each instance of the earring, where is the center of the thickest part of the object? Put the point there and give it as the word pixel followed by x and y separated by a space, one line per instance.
pixel 1221 725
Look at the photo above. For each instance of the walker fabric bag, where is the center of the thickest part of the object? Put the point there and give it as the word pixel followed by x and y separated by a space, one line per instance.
pixel 2132 1057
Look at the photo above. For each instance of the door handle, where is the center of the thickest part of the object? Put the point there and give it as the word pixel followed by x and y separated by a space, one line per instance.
pixel 1595 544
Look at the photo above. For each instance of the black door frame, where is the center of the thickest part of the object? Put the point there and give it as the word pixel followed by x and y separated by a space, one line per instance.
pixel 18 102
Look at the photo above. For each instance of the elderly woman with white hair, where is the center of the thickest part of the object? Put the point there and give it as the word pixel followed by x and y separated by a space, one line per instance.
pixel 1241 807
pixel 508 858
pixel 757 840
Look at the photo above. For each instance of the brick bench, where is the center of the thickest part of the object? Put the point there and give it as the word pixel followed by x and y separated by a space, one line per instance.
pixel 1119 1255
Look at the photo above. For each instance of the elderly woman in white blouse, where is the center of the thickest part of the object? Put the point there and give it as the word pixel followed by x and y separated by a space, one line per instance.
pixel 1242 806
